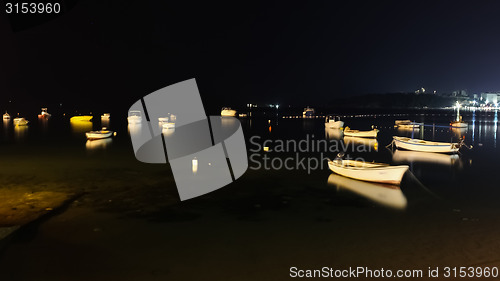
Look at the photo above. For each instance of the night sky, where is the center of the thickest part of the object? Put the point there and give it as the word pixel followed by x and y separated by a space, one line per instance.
pixel 102 54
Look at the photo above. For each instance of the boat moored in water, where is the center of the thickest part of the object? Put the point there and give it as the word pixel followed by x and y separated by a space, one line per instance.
pixel 134 117
pixel 81 118
pixel 365 171
pixel 333 122
pixel 6 116
pixel 227 111
pixel 20 121
pixel 425 146
pixel 44 114
pixel 407 124
pixel 102 134
pixel 399 122
pixel 308 112
pixel 362 134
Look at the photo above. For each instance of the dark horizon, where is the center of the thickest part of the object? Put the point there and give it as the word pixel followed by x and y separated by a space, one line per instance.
pixel 113 53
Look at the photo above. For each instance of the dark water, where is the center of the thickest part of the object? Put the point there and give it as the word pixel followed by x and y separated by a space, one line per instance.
pixel 468 178
pixel 445 212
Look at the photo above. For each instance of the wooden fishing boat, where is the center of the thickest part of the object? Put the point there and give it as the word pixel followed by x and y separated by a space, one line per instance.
pixel 425 146
pixel 82 118
pixel 333 122
pixel 365 171
pixel 459 124
pixel 362 134
pixel 227 111
pixel 102 134
pixel 20 121
pixel 409 125
pixel 399 122
pixel 308 112
pixel 44 114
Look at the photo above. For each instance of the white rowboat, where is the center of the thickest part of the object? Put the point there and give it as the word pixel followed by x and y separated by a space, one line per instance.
pixel 425 146
pixel 134 117
pixel 20 121
pixel 458 124
pixel 330 122
pixel 362 134
pixel 227 111
pixel 102 134
pixel 374 172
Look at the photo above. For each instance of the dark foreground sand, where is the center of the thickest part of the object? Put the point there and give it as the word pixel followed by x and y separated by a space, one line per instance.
pixel 258 236
pixel 130 225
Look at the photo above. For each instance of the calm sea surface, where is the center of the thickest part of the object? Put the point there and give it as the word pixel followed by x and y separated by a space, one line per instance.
pixel 467 178
pixel 130 222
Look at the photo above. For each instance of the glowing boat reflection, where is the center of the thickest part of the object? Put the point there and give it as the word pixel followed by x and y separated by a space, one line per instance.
pixel 369 143
pixel 79 127
pixel 331 133
pixel 406 156
pixel 98 144
pixel 383 194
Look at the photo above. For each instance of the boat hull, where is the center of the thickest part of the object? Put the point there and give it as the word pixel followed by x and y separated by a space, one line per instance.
pixel 134 119
pixel 369 172
pixel 334 124
pixel 84 118
pixel 20 122
pixel 228 112
pixel 425 146
pixel 459 125
pixel 98 135
pixel 361 134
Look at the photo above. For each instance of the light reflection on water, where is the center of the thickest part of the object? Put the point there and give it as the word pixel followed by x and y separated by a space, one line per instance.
pixel 389 196
pixel 81 127
pixel 98 144
pixel 20 132
pixel 444 174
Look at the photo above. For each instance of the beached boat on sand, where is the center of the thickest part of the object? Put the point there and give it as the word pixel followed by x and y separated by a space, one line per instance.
pixel 425 146
pixel 373 172
pixel 362 134
pixel 333 122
